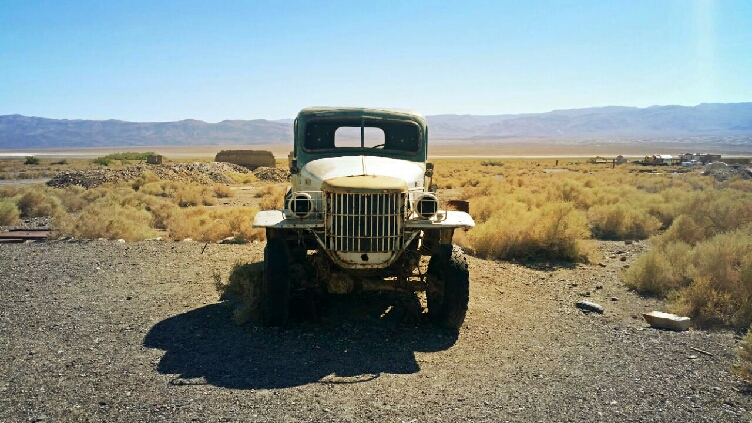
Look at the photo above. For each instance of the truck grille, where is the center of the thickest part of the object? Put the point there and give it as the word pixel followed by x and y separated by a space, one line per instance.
pixel 367 223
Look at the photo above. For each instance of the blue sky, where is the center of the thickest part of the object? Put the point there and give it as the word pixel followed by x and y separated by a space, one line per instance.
pixel 162 61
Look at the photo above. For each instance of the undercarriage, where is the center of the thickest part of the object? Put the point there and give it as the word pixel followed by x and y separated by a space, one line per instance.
pixel 295 271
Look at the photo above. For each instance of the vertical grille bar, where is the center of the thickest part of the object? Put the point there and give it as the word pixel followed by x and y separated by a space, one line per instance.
pixel 364 222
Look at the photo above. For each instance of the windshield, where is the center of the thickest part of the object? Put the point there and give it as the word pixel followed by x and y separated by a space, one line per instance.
pixel 333 134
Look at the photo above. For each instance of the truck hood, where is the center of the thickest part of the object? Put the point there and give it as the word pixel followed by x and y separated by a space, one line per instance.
pixel 314 173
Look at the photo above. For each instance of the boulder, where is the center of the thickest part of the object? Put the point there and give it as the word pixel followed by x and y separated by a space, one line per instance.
pixel 669 321
pixel 588 307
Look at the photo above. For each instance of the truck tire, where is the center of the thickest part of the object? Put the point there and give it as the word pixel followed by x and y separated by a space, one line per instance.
pixel 275 287
pixel 448 290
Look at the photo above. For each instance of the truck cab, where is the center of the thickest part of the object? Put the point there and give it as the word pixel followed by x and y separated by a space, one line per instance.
pixel 362 210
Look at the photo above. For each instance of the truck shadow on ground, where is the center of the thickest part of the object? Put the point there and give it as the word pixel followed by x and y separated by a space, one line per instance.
pixel 353 343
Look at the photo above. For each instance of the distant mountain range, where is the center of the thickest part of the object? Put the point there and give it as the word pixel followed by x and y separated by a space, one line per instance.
pixel 734 119
pixel 18 131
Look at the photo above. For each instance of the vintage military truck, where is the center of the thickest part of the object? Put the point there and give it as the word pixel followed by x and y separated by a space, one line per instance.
pixel 360 214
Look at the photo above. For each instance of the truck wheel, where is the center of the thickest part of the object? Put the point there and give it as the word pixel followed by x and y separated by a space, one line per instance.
pixel 448 290
pixel 275 287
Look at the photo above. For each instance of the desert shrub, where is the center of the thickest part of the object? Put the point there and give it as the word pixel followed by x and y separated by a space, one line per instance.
pixel 660 272
pixel 684 230
pixel 484 207
pixel 240 222
pixel 555 231
pixel 131 155
pixel 103 161
pixel 223 191
pixel 562 228
pixel 193 195
pixel 38 202
pixel 721 287
pixel 204 224
pixel 709 279
pixel 646 275
pixel 705 303
pixel 182 194
pixel 72 198
pixel 108 159
pixel 161 211
pixel 109 217
pixel 10 191
pixel 744 185
pixel 460 238
pixel 718 211
pixel 9 213
pixel 620 221
pixel 242 178
pixel 244 284
pixel 144 179
pixel 158 188
pixel 196 223
pixel 31 160
pixel 744 368
pixel 272 197
pixel 572 191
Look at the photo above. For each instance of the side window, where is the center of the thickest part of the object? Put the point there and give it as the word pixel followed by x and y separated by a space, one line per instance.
pixel 348 136
pixel 319 136
pixel 403 138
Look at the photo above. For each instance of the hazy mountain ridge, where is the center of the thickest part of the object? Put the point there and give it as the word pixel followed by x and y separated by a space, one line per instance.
pixel 18 131
pixel 735 119
pixel 614 121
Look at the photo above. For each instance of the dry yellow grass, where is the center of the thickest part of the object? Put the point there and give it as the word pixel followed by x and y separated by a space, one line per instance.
pixel 704 260
pixel 203 224
pixel 38 201
pixel 223 191
pixel 9 213
pixel 242 178
pixel 272 197
pixel 744 368
pixel 700 229
pixel 132 211
pixel 528 210
pixel 244 284
pixel 15 168
pixel 516 204
pixel 183 194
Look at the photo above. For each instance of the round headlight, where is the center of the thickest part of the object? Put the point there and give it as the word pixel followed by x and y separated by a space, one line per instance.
pixel 427 206
pixel 300 204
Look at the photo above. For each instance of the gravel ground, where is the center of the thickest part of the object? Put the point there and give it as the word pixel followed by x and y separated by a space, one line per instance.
pixel 205 173
pixel 108 331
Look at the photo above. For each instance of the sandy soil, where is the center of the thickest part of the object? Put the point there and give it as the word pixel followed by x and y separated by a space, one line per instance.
pixel 106 331
pixel 109 331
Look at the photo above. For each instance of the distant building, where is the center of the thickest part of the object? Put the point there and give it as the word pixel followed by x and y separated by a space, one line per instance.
pixel 706 158
pixel 250 159
pixel 154 159
pixel 688 157
pixel 659 159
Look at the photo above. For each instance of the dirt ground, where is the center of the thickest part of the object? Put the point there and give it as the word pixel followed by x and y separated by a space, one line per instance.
pixel 108 331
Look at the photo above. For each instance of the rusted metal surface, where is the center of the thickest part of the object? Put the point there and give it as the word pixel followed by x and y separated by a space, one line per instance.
pixel 17 236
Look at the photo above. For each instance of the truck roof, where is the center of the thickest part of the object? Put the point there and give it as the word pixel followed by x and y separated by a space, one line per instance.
pixel 362 111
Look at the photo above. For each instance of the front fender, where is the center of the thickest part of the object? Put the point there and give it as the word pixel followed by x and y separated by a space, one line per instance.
pixel 277 219
pixel 444 219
